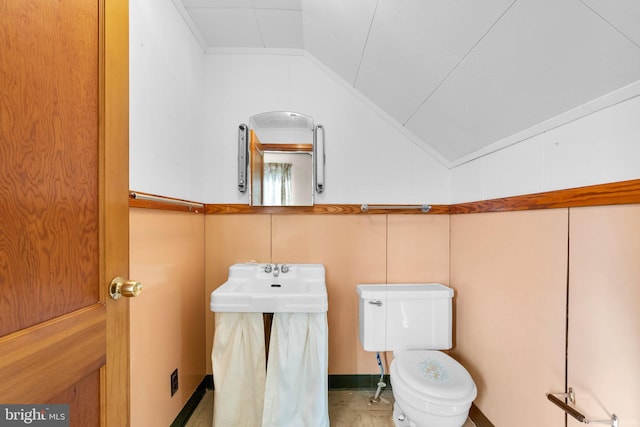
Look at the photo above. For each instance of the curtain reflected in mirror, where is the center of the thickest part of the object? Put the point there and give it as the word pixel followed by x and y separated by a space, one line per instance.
pixel 280 159
pixel 277 189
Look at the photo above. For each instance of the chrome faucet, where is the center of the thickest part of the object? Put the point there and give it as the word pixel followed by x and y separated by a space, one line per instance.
pixel 276 269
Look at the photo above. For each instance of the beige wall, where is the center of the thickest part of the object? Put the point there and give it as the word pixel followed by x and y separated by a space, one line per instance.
pixel 353 248
pixel 604 312
pixel 167 320
pixel 231 239
pixel 509 272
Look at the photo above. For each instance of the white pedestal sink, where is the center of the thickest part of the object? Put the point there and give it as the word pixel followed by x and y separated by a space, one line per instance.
pixel 272 288
pixel 294 391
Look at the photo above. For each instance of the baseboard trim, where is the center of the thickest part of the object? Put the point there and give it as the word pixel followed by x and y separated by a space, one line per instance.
pixel 478 418
pixel 341 382
pixel 208 381
pixel 336 382
pixel 192 403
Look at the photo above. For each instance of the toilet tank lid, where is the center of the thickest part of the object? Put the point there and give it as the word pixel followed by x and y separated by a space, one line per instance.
pixel 404 290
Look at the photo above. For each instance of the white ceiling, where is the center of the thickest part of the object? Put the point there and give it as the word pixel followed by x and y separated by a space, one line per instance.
pixel 465 76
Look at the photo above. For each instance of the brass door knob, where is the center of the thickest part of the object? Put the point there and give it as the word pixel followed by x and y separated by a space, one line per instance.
pixel 124 288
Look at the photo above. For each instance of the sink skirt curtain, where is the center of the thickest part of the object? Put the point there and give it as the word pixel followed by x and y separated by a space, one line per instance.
pixel 296 391
pixel 238 362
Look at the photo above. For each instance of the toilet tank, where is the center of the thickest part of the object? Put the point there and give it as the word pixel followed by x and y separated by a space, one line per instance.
pixel 413 316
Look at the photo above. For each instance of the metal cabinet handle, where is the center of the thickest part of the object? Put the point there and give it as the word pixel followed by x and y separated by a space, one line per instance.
pixel 377 302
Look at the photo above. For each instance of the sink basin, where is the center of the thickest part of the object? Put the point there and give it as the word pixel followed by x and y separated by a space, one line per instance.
pixel 251 288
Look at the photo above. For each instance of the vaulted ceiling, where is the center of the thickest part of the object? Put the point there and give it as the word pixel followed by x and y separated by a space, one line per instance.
pixel 465 76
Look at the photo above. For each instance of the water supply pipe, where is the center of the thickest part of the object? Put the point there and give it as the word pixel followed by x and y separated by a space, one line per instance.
pixel 381 383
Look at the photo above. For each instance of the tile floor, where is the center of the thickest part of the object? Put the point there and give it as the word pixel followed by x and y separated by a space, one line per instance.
pixel 347 408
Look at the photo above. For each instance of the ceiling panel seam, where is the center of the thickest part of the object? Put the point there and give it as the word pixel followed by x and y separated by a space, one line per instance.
pixel 366 42
pixel 459 63
pixel 609 23
pixel 255 15
pixel 423 145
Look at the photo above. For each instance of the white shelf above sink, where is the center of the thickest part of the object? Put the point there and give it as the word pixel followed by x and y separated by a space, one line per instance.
pixel 251 287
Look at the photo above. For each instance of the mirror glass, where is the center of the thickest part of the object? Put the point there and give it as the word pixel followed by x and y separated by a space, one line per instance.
pixel 281 159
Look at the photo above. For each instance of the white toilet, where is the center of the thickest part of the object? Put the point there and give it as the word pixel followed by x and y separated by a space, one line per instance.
pixel 430 388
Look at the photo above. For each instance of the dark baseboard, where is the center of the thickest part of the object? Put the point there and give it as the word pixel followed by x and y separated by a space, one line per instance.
pixel 336 382
pixel 193 402
pixel 478 418
pixel 208 381
pixel 341 382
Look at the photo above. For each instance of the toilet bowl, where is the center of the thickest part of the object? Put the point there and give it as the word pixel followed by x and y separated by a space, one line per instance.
pixel 430 388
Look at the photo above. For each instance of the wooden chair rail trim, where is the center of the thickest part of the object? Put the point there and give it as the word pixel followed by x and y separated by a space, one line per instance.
pixel 617 193
pixel 47 350
pixel 316 209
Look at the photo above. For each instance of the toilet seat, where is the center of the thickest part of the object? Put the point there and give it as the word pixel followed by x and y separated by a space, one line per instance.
pixel 432 376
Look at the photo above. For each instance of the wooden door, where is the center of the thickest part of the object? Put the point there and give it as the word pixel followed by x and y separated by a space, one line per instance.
pixel 63 206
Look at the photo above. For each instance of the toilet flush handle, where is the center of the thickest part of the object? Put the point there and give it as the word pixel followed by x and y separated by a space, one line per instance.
pixel 376 302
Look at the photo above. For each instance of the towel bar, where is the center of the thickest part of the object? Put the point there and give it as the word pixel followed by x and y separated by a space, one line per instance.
pixel 424 208
pixel 152 198
pixel 613 422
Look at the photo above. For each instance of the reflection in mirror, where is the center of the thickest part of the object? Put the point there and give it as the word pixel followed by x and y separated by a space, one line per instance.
pixel 280 159
pixel 287 179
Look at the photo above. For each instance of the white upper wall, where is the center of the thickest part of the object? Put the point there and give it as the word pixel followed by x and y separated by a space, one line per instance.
pixel 369 157
pixel 599 148
pixel 185 107
pixel 166 103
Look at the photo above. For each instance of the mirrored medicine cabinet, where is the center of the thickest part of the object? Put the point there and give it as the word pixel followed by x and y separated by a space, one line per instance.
pixel 281 159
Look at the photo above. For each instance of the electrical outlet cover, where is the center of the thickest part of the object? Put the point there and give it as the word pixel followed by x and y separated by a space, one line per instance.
pixel 174 382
